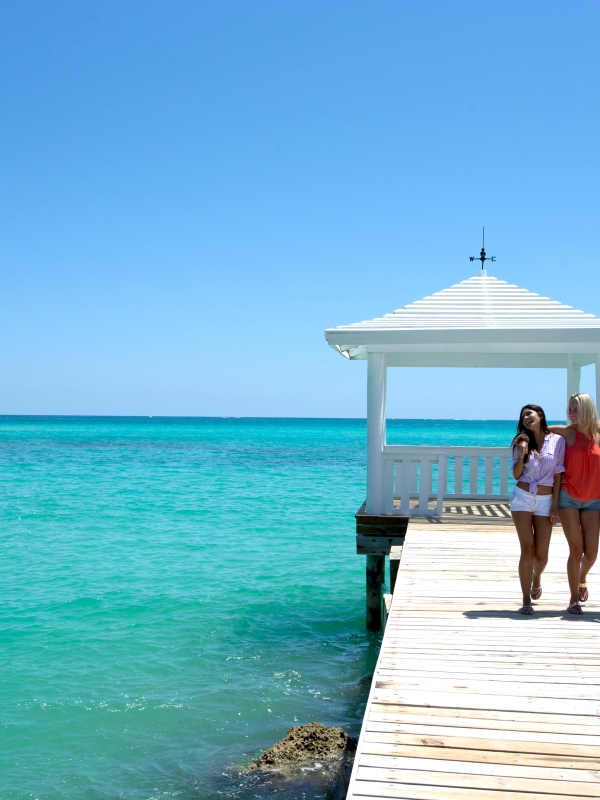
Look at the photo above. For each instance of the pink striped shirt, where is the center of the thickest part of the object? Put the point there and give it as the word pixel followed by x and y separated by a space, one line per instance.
pixel 541 467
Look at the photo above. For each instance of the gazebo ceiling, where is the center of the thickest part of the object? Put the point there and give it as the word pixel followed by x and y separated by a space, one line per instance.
pixel 480 322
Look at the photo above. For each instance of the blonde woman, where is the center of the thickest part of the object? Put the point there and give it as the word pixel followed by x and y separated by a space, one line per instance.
pixel 579 498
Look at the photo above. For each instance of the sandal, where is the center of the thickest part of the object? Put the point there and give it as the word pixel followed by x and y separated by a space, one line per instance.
pixel 526 610
pixel 536 593
pixel 584 595
pixel 575 608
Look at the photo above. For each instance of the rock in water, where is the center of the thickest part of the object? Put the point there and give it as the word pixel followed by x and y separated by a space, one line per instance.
pixel 313 744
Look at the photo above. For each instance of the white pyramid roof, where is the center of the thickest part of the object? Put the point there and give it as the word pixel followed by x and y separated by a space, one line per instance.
pixel 479 315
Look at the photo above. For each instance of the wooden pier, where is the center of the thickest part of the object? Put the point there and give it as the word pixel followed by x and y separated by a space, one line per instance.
pixel 471 699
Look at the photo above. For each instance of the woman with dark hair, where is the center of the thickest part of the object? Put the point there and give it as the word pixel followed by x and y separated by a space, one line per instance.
pixel 538 457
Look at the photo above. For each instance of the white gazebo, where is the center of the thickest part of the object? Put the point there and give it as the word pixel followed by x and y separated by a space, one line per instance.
pixel 481 322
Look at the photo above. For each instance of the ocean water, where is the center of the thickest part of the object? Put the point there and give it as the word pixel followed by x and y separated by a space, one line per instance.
pixel 177 593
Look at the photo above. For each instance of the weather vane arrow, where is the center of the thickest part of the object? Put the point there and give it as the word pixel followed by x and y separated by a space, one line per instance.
pixel 482 256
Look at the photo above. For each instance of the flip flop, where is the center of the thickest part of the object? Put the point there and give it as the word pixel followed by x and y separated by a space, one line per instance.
pixel 526 610
pixel 584 595
pixel 536 593
pixel 575 608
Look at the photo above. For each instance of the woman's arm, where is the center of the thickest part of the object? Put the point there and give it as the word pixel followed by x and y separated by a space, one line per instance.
pixel 555 492
pixel 522 449
pixel 566 431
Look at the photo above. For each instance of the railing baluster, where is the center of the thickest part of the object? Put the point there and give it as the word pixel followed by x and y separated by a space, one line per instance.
pixel 474 468
pixel 405 480
pixel 489 475
pixel 413 477
pixel 425 484
pixel 458 475
pixel 442 480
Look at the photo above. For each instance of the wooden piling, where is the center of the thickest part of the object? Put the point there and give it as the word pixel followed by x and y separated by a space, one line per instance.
pixel 375 580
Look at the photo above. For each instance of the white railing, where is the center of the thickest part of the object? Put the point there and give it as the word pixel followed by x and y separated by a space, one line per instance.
pixel 438 473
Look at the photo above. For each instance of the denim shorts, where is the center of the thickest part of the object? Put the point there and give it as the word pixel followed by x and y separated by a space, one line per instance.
pixel 537 504
pixel 566 501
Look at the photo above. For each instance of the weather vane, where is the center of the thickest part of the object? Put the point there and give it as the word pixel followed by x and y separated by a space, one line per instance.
pixel 482 256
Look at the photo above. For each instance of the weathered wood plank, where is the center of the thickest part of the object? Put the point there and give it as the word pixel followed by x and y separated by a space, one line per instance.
pixel 532 738
pixel 590 779
pixel 456 715
pixel 379 790
pixel 391 732
pixel 482 756
pixel 404 717
pixel 466 781
pixel 464 686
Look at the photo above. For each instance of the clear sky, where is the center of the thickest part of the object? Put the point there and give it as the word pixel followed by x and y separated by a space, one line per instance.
pixel 192 191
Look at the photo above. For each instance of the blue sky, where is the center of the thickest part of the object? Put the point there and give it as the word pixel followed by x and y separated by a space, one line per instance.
pixel 192 191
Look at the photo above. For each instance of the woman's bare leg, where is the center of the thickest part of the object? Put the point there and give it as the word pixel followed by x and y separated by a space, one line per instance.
pixel 571 523
pixel 542 528
pixel 590 526
pixel 524 524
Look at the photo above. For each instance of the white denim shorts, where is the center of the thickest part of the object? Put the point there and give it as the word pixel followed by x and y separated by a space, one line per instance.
pixel 536 504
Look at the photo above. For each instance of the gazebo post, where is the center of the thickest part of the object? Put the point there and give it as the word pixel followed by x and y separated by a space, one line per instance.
pixel 375 567
pixel 573 376
pixel 376 384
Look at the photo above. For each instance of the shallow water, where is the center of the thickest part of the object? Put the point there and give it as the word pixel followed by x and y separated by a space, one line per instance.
pixel 177 593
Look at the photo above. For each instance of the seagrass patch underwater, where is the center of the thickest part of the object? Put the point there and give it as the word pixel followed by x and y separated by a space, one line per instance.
pixel 177 593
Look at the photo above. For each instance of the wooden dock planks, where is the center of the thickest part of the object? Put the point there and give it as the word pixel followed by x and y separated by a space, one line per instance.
pixel 470 699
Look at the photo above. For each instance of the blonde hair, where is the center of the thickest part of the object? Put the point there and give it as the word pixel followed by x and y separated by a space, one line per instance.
pixel 588 416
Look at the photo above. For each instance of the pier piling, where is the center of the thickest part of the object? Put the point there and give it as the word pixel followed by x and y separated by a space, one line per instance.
pixel 375 580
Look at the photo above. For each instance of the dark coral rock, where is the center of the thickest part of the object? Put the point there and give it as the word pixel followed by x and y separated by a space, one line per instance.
pixel 307 744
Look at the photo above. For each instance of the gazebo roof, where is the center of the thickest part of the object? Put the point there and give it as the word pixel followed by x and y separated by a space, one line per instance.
pixel 481 315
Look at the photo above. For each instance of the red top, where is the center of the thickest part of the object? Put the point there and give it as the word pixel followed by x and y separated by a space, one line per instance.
pixel 582 468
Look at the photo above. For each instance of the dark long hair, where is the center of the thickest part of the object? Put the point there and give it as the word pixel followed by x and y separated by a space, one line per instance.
pixel 523 431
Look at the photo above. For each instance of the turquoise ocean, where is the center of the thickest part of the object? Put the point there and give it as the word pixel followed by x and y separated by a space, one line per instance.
pixel 176 593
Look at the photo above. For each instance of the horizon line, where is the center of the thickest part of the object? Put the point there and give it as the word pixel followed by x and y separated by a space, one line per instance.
pixel 242 417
